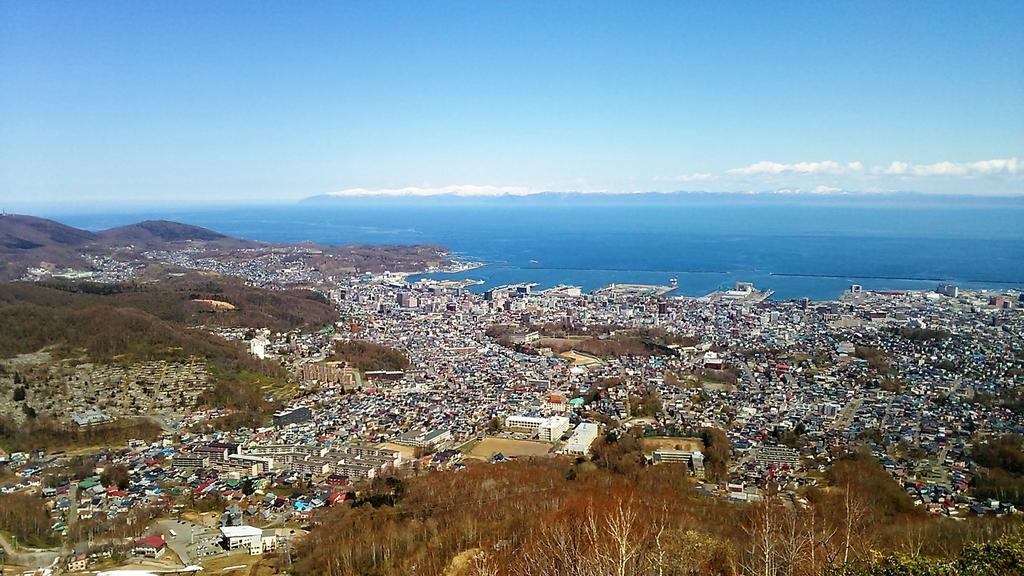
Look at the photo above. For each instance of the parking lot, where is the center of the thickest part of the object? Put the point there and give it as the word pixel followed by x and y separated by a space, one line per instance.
pixel 191 541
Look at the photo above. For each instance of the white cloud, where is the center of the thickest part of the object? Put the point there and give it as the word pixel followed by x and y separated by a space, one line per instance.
pixel 775 168
pixel 980 168
pixel 1009 166
pixel 998 166
pixel 999 176
pixel 995 176
pixel 827 190
pixel 895 168
pixel 453 190
pixel 695 177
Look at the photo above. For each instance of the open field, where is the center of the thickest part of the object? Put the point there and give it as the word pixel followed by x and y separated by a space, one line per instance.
pixel 717 386
pixel 654 442
pixel 405 451
pixel 561 344
pixel 216 304
pixel 703 381
pixel 581 359
pixel 242 565
pixel 282 389
pixel 490 446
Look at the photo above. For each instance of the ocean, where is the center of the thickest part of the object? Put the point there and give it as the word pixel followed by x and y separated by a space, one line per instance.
pixel 798 247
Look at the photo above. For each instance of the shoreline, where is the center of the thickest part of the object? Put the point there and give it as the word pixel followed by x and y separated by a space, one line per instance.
pixel 670 291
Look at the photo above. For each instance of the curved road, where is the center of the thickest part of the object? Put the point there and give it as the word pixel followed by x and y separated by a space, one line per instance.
pixel 30 557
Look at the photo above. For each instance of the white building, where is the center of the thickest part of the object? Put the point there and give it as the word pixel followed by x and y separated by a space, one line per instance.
pixel 150 546
pixel 694 460
pixel 528 423
pixel 712 361
pixel 268 541
pixel 258 347
pixel 582 437
pixel 777 456
pixel 556 404
pixel 553 428
pixel 547 429
pixel 438 438
pixel 243 537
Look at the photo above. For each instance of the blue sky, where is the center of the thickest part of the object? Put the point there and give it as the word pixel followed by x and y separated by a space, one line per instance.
pixel 226 101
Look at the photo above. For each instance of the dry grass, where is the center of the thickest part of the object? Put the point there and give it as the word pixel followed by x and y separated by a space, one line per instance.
pixel 247 565
pixel 405 451
pixel 215 304
pixel 580 359
pixel 461 562
pixel 490 446
pixel 689 444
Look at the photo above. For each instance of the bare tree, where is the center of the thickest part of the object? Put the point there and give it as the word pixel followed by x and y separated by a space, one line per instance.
pixel 760 556
pixel 854 514
pixel 621 529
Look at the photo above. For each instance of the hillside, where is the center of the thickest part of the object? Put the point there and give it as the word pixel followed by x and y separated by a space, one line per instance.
pixel 106 328
pixel 129 324
pixel 551 517
pixel 155 233
pixel 185 301
pixel 30 242
pixel 26 241
pixel 19 232
pixel 369 356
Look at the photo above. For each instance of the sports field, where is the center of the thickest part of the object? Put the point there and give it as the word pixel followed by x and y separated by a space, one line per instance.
pixel 405 451
pixel 490 446
pixel 653 443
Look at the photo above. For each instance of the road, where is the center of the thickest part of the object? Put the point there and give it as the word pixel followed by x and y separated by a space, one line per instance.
pixel 845 417
pixel 31 557
pixel 73 506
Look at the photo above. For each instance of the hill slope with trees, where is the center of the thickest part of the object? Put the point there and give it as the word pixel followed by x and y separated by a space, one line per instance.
pixel 554 517
pixel 124 324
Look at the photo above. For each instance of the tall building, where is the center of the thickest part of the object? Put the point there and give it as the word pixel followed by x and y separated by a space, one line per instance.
pixel 407 300
pixel 292 416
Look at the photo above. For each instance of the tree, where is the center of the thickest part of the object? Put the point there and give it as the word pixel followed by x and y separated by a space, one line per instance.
pixel 26 517
pixel 717 453
pixel 19 394
pixel 116 475
pixel 493 425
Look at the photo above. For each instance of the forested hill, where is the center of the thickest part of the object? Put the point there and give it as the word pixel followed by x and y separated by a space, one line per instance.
pixel 27 241
pixel 30 242
pixel 152 320
pixel 153 233
pixel 168 320
pixel 555 517
pixel 192 299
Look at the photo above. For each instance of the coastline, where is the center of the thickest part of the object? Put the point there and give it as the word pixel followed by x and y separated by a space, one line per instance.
pixel 816 287
pixel 707 245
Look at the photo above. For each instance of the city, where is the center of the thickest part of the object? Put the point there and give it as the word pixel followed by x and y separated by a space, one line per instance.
pixel 522 288
pixel 917 378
